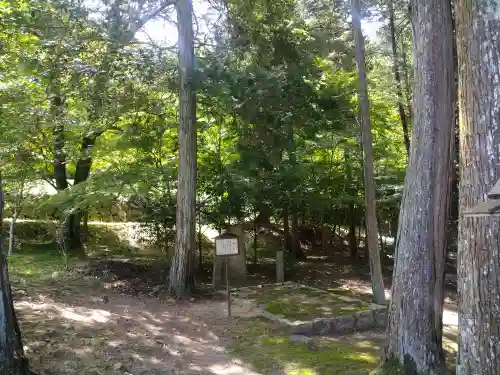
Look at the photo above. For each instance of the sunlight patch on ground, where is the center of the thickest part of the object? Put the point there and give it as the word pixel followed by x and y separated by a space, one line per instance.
pixel 83 315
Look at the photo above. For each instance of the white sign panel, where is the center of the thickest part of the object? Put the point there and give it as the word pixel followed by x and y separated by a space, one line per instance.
pixel 226 246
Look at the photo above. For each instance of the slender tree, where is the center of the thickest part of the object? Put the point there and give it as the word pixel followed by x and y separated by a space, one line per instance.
pixel 12 359
pixel 415 314
pixel 397 76
pixel 181 272
pixel 367 139
pixel 478 51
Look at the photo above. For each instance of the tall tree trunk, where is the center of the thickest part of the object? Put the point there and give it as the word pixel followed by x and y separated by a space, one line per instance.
pixel 255 239
pixel 12 359
pixel 296 246
pixel 397 77
pixel 380 234
pixel 181 271
pixel 416 308
pixel 82 173
pixel 351 213
pixel 406 76
pixel 478 50
pixel 351 236
pixel 366 132
pixel 286 230
pixel 59 158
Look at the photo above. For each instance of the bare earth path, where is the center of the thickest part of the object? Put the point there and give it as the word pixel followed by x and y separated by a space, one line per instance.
pixel 92 331
pixel 90 325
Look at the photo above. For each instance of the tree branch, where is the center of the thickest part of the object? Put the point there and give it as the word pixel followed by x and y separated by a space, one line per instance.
pixel 141 22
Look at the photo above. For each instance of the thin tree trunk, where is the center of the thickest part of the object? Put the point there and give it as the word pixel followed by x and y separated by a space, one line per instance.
pixel 380 235
pixel 353 245
pixel 200 244
pixel 13 361
pixel 11 231
pixel 255 227
pixel 59 158
pixel 364 111
pixel 416 308
pixel 406 76
pixel 478 50
pixel 397 77
pixel 286 230
pixel 181 271
pixel 351 214
pixel 296 246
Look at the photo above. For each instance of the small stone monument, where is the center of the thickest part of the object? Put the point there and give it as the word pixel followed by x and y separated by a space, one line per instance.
pixel 237 266
pixel 280 267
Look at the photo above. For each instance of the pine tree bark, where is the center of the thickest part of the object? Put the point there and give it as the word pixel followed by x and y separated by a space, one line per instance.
pixel 416 308
pixel 366 132
pixel 12 359
pixel 397 77
pixel 478 50
pixel 182 270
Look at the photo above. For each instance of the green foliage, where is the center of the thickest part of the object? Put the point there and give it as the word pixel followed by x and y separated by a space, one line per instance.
pixel 277 128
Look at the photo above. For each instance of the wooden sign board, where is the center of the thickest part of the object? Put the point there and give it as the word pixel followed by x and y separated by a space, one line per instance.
pixel 489 208
pixel 226 244
pixel 494 193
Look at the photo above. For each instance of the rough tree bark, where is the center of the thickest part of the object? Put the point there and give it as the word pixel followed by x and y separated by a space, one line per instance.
pixel 416 308
pixel 478 50
pixel 181 271
pixel 366 132
pixel 397 77
pixel 12 359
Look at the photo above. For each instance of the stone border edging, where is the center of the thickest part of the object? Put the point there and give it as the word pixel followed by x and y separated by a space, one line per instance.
pixel 374 317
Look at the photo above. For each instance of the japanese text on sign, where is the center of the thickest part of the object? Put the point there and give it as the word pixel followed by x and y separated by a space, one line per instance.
pixel 226 246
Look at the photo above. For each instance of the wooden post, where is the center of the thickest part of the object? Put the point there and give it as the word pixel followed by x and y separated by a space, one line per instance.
pixel 228 291
pixel 280 267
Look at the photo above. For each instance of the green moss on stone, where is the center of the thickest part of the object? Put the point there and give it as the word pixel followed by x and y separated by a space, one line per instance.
pixel 295 302
pixel 262 344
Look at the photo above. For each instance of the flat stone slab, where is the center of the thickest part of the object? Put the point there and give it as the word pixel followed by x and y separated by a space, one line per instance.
pixel 309 311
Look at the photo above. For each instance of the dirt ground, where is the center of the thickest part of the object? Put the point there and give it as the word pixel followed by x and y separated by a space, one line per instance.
pixel 115 318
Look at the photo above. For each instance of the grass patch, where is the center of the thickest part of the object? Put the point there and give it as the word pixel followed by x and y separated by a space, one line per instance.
pixel 260 343
pixel 39 264
pixel 301 303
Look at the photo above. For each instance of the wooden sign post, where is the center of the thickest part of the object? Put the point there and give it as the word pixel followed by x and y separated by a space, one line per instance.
pixel 490 207
pixel 226 245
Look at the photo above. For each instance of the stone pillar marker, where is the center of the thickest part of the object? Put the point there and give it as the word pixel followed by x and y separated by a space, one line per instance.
pixel 280 267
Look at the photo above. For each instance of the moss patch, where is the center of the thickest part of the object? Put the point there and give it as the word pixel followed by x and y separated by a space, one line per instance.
pixel 296 302
pixel 259 342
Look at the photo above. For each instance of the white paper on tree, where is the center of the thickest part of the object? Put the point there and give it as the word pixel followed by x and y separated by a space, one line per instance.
pixel 226 246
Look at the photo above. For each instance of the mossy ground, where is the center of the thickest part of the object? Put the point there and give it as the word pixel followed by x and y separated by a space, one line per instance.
pixel 264 345
pixel 295 302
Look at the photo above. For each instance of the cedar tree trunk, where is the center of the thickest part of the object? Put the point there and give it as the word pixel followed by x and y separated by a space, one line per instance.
pixel 366 132
pixel 478 50
pixel 182 270
pixel 416 308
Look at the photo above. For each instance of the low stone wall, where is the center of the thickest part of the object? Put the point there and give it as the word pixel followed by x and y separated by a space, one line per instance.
pixel 359 321
pixel 374 317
